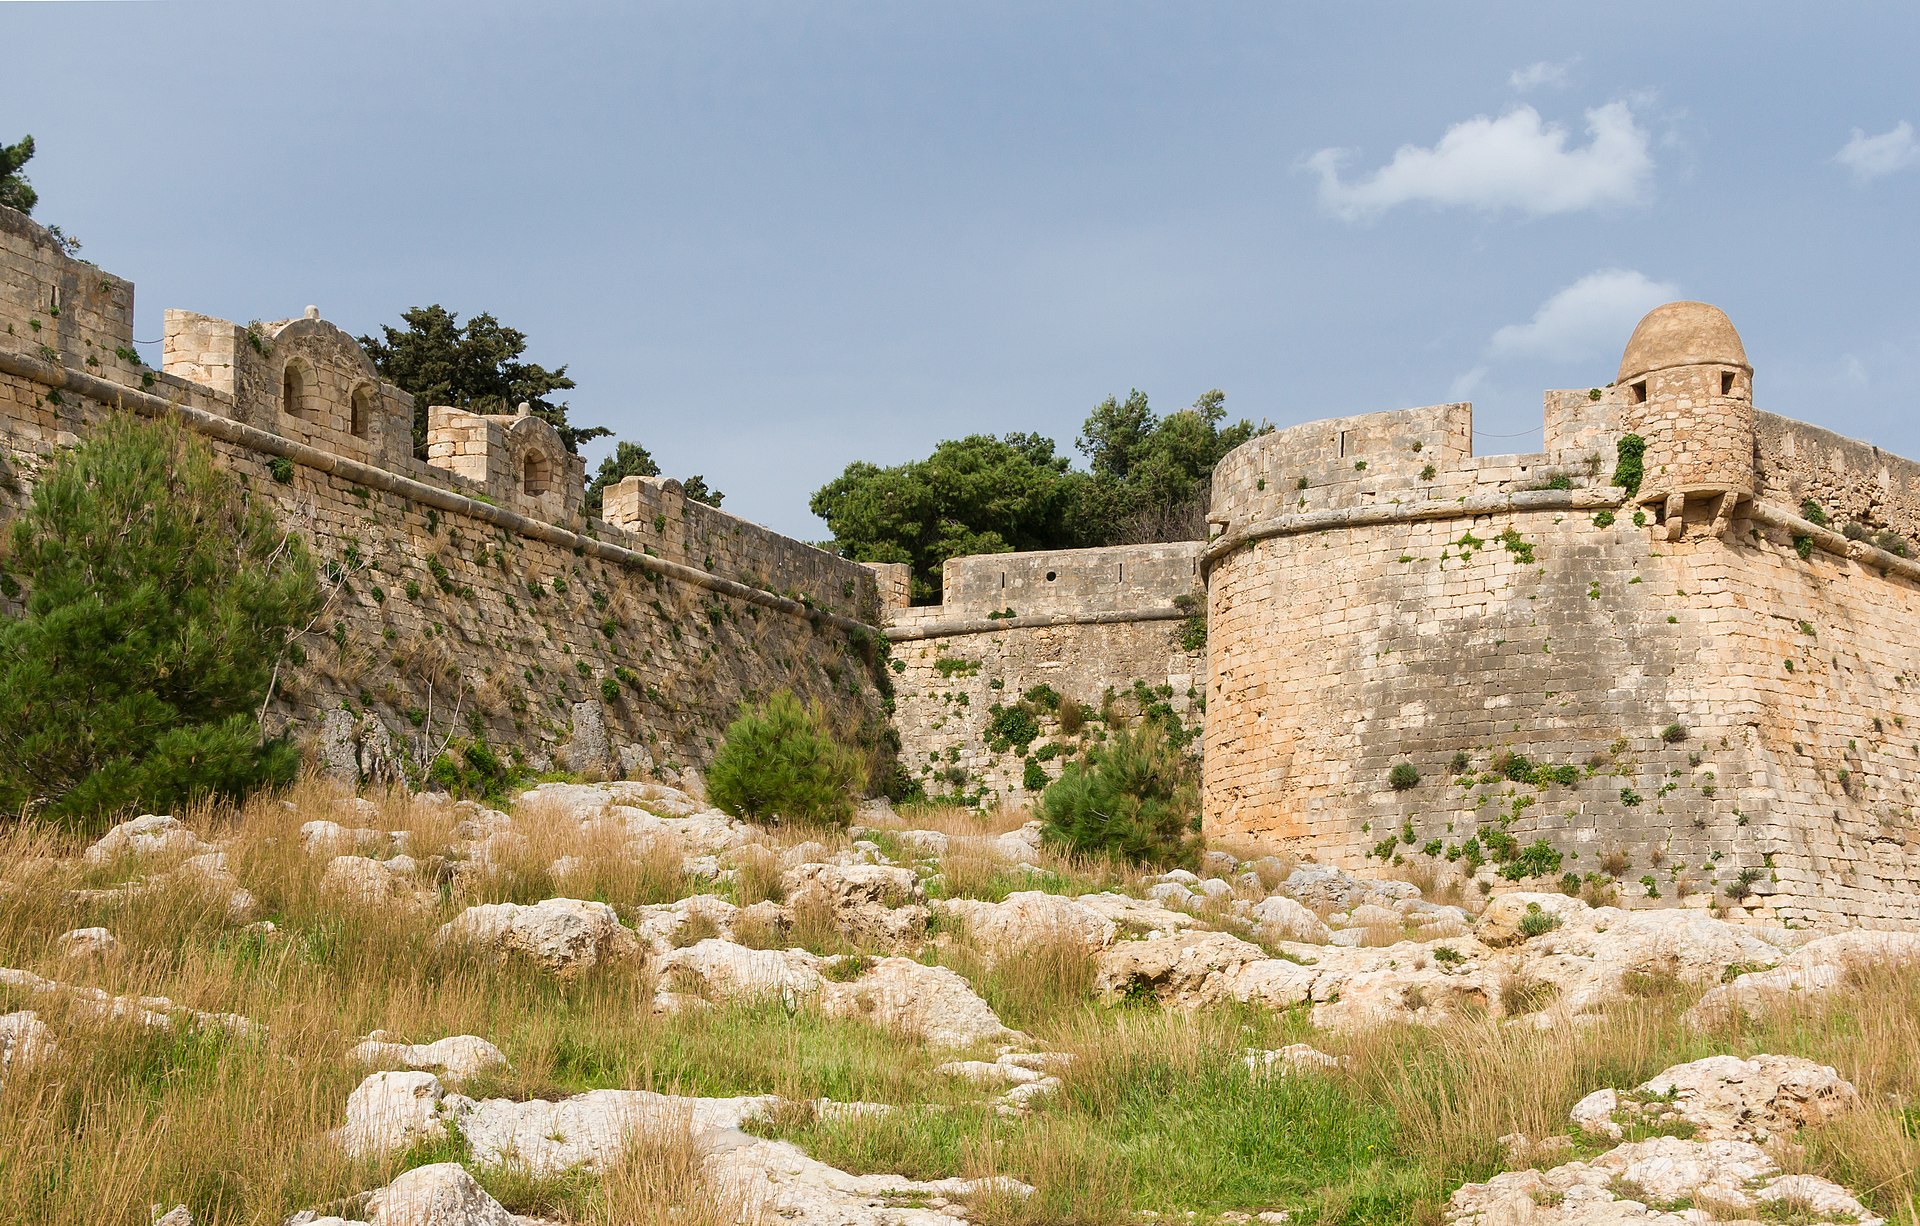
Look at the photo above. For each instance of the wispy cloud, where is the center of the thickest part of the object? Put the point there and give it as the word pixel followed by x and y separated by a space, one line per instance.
pixel 1541 73
pixel 1518 161
pixel 1592 316
pixel 1874 157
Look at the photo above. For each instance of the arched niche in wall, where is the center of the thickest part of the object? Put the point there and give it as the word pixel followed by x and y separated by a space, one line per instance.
pixel 297 388
pixel 360 411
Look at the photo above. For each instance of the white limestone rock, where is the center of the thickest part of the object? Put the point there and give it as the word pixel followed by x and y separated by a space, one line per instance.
pixel 1622 1185
pixel 1725 1098
pixel 1279 918
pixel 88 944
pixel 458 1056
pixel 930 1003
pixel 721 970
pixel 1292 1058
pixel 389 1112
pixel 1185 971
pixel 147 835
pixel 443 1194
pixel 377 883
pixel 566 936
pixel 24 1040
pixel 1005 928
pixel 1817 967
pixel 868 902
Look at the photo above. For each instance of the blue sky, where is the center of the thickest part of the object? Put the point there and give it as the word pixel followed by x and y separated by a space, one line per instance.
pixel 770 239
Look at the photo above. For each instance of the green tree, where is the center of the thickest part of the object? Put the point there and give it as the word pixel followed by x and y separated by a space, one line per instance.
pixel 475 366
pixel 978 494
pixel 778 763
pixel 161 600
pixel 633 460
pixel 697 489
pixel 15 191
pixel 1148 480
pixel 1133 798
pixel 627 460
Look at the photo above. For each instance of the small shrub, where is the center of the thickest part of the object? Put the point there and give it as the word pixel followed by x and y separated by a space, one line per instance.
pixel 1813 514
pixel 609 689
pixel 1603 519
pixel 472 769
pixel 282 469
pixel 1132 798
pixel 1010 727
pixel 1404 775
pixel 1540 859
pixel 1034 777
pixel 1525 994
pixel 1630 463
pixel 1803 545
pixel 1461 761
pixel 1072 716
pixel 1743 882
pixel 1673 734
pixel 1537 923
pixel 777 763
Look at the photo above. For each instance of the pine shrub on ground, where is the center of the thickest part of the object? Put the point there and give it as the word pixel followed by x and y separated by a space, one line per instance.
pixel 161 601
pixel 778 763
pixel 1133 798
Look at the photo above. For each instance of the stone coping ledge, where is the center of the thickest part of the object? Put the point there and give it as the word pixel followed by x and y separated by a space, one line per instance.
pixel 1828 541
pixel 227 430
pixel 1470 507
pixel 986 625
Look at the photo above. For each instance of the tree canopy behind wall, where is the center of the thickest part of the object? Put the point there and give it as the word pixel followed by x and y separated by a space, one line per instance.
pixel 1147 480
pixel 475 366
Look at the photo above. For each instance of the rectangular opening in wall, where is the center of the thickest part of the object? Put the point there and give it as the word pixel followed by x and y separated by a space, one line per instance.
pixel 1726 383
pixel 1637 392
pixel 1120 572
pixel 1343 443
pixel 1003 580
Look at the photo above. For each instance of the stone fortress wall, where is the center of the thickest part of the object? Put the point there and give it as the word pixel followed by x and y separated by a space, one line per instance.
pixel 1709 689
pixel 1084 622
pixel 470 595
pixel 1713 696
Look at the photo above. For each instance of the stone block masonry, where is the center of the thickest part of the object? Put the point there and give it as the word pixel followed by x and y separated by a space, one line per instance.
pixel 1688 692
pixel 469 596
pixel 1064 637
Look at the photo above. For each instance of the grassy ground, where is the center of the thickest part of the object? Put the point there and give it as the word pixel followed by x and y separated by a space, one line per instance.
pixel 1157 1111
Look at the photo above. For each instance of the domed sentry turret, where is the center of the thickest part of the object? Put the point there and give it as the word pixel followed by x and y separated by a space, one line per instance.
pixel 1689 394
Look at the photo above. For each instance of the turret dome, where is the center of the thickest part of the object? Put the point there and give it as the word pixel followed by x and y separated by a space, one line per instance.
pixel 1682 334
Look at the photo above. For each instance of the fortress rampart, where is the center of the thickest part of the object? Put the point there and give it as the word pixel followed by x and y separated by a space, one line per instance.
pixel 1691 689
pixel 1085 623
pixel 1703 687
pixel 471 596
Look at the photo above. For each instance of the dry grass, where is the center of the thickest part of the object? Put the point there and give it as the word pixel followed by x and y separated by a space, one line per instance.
pixel 663 1179
pixel 122 1117
pixel 1157 1111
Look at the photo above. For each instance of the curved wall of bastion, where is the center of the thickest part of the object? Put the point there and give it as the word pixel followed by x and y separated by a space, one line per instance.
pixel 1726 704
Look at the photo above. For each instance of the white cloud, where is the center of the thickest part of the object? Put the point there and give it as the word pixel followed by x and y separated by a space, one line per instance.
pixel 1517 161
pixel 1541 73
pixel 1592 316
pixel 1871 157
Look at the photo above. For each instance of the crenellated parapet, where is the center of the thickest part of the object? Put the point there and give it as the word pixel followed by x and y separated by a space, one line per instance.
pixel 518 458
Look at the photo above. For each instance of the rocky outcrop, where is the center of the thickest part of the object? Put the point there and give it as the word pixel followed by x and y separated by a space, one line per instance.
pixel 930 1003
pixel 1006 928
pixel 377 883
pixel 456 1056
pixel 563 935
pixel 1633 1184
pixel 1723 1098
pixel 147 835
pixel 872 904
pixel 389 1112
pixel 1818 967
pixel 442 1194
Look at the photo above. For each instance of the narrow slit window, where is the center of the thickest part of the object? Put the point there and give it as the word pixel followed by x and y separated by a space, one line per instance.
pixel 360 411
pixel 1726 383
